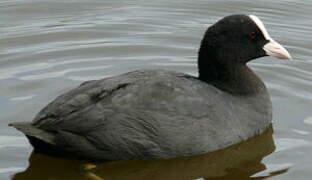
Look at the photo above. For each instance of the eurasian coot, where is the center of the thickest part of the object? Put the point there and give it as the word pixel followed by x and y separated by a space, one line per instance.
pixel 164 114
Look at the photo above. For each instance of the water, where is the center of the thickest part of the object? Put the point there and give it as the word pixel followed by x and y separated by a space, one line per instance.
pixel 48 47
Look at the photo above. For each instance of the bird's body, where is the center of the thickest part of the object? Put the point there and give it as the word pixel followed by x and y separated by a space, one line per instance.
pixel 155 113
pixel 149 114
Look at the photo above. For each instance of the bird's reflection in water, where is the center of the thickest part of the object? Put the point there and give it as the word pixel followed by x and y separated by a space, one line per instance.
pixel 240 161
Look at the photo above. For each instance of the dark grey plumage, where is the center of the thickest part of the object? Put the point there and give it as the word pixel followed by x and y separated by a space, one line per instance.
pixel 156 113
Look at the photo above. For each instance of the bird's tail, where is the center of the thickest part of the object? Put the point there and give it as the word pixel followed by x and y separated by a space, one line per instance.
pixel 57 143
pixel 38 138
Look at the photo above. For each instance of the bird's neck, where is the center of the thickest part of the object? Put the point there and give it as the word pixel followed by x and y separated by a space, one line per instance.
pixel 234 78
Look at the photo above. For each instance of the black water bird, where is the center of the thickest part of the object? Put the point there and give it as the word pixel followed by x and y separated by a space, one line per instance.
pixel 163 114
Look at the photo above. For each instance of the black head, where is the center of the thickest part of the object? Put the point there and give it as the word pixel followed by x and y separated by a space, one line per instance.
pixel 238 39
pixel 226 48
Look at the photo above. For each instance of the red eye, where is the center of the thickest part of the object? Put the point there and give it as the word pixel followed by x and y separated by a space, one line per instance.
pixel 252 35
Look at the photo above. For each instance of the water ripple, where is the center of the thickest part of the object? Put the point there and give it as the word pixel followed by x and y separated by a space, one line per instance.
pixel 11 169
pixel 13 141
pixel 283 144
